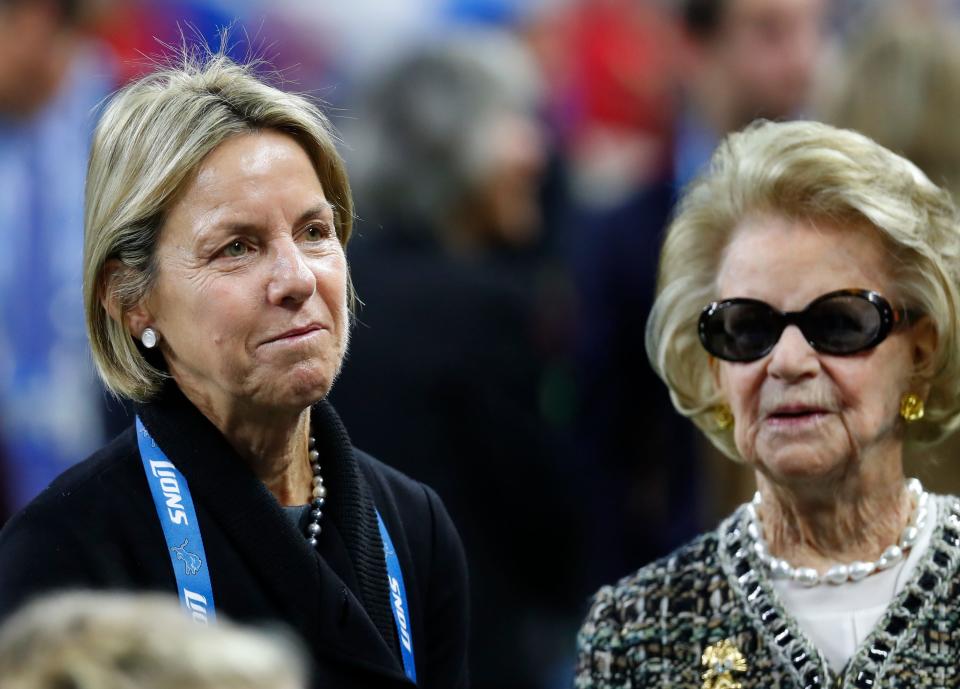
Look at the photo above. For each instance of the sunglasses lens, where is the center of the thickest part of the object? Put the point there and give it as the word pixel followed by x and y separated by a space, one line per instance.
pixel 843 324
pixel 739 331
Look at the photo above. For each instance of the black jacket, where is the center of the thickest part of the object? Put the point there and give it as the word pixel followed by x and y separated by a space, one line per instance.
pixel 96 527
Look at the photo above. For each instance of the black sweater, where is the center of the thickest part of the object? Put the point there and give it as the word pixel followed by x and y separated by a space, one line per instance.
pixel 96 527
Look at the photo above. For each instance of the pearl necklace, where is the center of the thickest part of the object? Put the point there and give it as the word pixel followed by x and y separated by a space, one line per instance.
pixel 319 496
pixel 841 574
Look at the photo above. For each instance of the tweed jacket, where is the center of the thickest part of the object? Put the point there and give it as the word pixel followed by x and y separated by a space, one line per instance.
pixel 708 616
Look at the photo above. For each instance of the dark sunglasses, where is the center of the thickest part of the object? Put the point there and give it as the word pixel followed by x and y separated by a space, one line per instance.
pixel 843 322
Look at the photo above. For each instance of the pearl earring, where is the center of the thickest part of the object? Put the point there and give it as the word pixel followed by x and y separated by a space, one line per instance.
pixel 149 338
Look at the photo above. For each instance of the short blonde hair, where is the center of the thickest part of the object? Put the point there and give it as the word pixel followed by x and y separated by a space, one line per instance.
pixel 150 139
pixel 126 641
pixel 806 170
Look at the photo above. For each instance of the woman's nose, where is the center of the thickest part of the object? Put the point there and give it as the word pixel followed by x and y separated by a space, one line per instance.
pixel 291 280
pixel 793 357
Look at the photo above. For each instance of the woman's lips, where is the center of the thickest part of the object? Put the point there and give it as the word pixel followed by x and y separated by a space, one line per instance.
pixel 294 336
pixel 796 417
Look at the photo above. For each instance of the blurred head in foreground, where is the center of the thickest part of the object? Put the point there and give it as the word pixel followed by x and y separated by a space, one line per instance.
pixel 120 641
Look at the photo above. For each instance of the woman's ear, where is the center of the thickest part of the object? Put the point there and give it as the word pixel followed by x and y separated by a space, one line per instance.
pixel 924 340
pixel 135 318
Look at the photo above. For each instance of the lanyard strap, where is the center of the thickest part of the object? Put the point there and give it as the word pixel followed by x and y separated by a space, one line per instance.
pixel 398 598
pixel 171 497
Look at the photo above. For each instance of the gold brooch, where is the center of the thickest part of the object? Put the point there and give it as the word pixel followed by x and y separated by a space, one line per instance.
pixel 721 660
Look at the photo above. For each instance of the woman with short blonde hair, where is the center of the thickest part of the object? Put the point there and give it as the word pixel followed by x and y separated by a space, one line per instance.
pixel 807 321
pixel 218 301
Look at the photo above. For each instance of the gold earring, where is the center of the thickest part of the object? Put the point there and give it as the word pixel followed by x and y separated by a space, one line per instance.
pixel 723 417
pixel 911 407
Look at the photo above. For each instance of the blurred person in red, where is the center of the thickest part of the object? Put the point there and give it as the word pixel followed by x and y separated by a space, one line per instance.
pixel 51 78
pixel 741 59
pixel 136 28
pixel 446 367
pixel 611 69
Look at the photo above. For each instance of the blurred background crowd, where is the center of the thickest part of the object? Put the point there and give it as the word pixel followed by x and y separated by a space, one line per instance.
pixel 514 164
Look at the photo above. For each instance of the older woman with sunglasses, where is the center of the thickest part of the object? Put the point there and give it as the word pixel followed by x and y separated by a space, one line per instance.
pixel 807 321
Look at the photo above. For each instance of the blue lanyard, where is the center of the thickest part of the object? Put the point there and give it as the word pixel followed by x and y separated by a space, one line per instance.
pixel 398 599
pixel 171 497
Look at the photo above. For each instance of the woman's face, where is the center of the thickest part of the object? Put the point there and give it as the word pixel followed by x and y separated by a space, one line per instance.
pixel 799 414
pixel 250 297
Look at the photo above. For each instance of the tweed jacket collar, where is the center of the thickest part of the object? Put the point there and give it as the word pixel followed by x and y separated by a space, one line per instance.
pixel 800 658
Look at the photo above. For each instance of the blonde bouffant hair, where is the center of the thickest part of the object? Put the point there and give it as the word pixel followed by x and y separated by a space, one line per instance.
pixel 151 137
pixel 806 170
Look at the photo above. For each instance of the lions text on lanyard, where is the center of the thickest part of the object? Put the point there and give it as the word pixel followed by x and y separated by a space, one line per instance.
pixel 171 497
pixel 166 472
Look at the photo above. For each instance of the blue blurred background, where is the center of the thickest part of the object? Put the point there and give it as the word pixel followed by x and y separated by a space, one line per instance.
pixel 515 163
